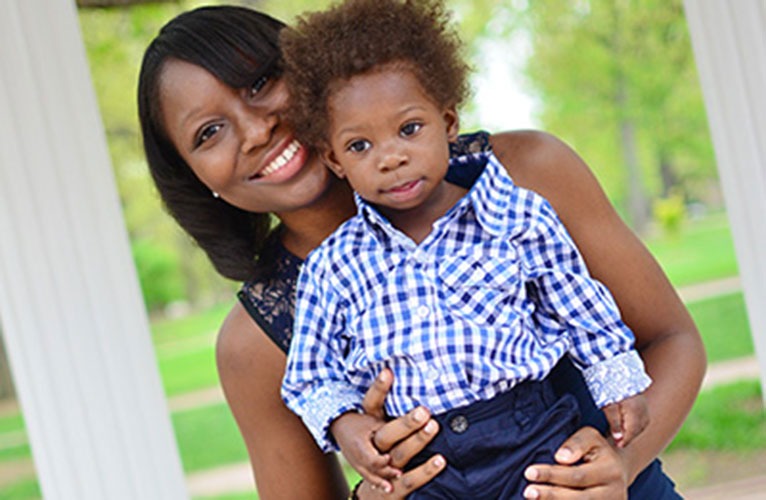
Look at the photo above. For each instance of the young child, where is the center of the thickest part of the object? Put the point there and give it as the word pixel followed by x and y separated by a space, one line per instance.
pixel 470 296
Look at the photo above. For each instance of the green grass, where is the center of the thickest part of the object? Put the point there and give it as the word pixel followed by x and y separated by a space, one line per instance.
pixel 722 322
pixel 15 452
pixel 192 325
pixel 190 371
pixel 703 251
pixel 12 422
pixel 208 437
pixel 248 495
pixel 26 489
pixel 730 417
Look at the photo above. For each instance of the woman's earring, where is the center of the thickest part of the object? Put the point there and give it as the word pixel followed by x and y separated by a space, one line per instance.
pixel 216 195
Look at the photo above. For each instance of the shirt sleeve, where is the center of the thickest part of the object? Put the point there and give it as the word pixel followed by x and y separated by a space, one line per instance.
pixel 568 301
pixel 314 386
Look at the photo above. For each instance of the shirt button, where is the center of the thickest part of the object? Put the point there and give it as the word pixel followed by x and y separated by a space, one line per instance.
pixel 458 424
pixel 424 311
pixel 433 373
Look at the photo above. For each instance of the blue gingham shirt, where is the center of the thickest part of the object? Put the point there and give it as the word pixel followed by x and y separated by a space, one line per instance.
pixel 495 295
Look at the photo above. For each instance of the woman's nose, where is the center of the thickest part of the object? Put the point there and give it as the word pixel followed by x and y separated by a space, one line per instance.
pixel 256 129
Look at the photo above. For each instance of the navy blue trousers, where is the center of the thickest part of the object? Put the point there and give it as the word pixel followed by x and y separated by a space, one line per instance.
pixel 473 443
pixel 488 444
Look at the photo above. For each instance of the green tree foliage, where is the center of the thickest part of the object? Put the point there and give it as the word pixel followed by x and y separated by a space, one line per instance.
pixel 616 79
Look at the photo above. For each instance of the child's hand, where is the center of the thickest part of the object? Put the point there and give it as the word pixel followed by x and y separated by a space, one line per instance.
pixel 354 434
pixel 627 419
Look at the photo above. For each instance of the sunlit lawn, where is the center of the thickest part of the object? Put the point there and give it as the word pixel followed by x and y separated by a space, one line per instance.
pixel 703 251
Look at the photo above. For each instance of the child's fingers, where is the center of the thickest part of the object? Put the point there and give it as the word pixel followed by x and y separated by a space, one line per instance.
pixel 401 428
pixel 376 394
pixel 378 473
pixel 635 419
pixel 614 417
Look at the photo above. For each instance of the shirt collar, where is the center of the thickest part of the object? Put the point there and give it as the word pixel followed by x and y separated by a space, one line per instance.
pixel 490 198
pixel 492 195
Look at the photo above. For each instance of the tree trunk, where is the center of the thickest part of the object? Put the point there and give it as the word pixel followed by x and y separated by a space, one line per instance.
pixel 638 203
pixel 668 176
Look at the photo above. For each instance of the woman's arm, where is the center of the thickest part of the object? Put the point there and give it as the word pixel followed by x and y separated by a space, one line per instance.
pixel 665 334
pixel 281 449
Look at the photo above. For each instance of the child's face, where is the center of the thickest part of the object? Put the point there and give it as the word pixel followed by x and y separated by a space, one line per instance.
pixel 389 139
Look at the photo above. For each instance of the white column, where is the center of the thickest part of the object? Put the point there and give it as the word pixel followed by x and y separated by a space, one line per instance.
pixel 729 41
pixel 74 323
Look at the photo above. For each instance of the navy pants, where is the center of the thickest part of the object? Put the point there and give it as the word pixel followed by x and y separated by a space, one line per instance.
pixel 489 443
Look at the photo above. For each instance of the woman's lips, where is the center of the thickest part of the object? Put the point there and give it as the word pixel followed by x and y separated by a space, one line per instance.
pixel 289 161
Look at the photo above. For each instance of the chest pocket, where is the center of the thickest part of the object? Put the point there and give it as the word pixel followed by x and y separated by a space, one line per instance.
pixel 483 286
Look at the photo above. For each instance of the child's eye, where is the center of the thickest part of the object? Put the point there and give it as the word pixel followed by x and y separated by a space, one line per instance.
pixel 410 128
pixel 206 133
pixel 359 146
pixel 258 85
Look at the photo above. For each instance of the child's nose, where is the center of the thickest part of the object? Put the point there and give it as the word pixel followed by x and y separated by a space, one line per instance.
pixel 391 160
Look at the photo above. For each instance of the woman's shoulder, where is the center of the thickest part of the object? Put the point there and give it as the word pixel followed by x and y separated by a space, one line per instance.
pixel 545 164
pixel 533 154
pixel 238 339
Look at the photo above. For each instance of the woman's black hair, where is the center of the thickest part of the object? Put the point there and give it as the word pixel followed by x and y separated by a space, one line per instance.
pixel 232 43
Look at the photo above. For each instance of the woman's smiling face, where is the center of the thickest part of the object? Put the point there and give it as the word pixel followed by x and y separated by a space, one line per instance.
pixel 235 141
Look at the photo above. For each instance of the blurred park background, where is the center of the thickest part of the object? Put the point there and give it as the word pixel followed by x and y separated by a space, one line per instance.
pixel 614 78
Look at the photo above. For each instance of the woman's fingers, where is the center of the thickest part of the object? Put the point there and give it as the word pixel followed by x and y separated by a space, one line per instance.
pixel 400 429
pixel 600 475
pixel 407 482
pixel 586 440
pixel 372 404
pixel 541 492
pixel 591 480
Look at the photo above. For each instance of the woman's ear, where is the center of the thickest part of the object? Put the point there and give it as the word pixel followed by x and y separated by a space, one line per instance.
pixel 452 122
pixel 328 158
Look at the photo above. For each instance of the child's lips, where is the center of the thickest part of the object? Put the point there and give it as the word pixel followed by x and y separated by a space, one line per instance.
pixel 406 191
pixel 402 188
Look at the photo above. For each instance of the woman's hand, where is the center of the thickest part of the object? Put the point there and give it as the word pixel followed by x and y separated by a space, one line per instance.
pixel 600 474
pixel 401 439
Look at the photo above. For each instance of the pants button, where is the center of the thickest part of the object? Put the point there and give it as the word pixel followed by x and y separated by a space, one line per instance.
pixel 458 424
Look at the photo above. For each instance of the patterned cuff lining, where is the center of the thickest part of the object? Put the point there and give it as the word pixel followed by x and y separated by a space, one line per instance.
pixel 616 378
pixel 327 403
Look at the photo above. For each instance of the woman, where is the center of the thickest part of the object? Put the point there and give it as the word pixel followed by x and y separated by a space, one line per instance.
pixel 211 104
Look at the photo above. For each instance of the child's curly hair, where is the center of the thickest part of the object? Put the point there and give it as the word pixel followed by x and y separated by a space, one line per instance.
pixel 355 36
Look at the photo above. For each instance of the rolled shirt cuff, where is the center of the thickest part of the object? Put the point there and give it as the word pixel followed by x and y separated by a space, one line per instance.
pixel 323 406
pixel 616 378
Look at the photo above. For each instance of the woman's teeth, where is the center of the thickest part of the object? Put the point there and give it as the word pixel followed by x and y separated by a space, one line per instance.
pixel 281 160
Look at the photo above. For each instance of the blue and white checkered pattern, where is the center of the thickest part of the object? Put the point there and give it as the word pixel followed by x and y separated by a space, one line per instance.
pixel 495 295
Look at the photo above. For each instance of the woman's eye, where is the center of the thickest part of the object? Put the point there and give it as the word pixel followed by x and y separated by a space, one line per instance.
pixel 359 146
pixel 258 85
pixel 410 128
pixel 206 133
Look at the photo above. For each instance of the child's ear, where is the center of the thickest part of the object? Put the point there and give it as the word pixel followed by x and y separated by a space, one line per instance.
pixel 452 122
pixel 328 158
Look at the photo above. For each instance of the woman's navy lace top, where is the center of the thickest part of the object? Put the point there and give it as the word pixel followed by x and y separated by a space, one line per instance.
pixel 270 301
